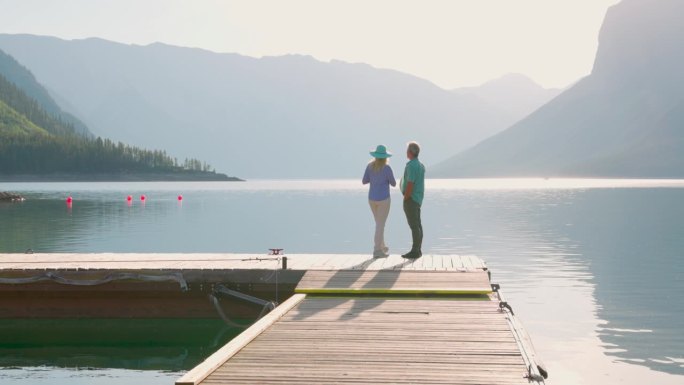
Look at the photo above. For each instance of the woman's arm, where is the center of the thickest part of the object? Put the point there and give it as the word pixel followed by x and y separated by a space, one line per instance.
pixel 366 177
pixel 390 177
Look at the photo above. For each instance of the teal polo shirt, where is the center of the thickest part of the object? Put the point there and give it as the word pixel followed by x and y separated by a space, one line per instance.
pixel 414 172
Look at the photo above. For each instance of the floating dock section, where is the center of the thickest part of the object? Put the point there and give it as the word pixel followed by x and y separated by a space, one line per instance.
pixel 397 326
pixel 132 285
pixel 340 318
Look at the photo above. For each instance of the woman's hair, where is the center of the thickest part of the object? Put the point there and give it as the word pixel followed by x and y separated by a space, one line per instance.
pixel 377 164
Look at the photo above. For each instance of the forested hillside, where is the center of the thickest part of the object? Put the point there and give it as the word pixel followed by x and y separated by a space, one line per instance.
pixel 41 153
pixel 34 141
pixel 18 75
pixel 17 100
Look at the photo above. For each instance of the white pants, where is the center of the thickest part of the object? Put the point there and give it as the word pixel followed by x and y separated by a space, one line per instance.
pixel 380 211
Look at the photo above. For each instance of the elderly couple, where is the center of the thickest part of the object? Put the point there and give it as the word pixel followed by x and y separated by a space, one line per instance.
pixel 379 175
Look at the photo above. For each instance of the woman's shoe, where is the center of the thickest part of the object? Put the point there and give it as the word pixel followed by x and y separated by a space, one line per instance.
pixel 380 254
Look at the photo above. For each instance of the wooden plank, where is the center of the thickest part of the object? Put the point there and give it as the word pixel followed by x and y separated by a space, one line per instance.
pixel 394 262
pixel 393 282
pixel 474 262
pixel 373 340
pixel 223 261
pixel 322 261
pixel 458 263
pixel 130 261
pixel 201 371
pixel 300 261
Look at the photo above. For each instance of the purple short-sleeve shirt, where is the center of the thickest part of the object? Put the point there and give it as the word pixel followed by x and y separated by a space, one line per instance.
pixel 379 182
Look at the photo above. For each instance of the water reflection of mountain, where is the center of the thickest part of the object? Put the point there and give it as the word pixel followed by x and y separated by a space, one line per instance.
pixel 95 224
pixel 139 344
pixel 44 225
pixel 19 232
pixel 625 243
pixel 632 240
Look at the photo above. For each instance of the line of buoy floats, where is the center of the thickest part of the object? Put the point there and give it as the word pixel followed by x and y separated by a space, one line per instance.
pixel 129 199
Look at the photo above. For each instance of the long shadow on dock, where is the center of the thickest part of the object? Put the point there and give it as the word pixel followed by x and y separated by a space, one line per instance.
pixel 359 269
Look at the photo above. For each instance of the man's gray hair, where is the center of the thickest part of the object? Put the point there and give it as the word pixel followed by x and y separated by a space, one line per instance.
pixel 414 148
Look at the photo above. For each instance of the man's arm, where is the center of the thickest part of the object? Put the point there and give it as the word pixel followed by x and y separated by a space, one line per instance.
pixel 408 191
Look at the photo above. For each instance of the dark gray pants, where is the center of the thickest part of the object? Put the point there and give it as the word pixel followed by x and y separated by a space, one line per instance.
pixel 412 211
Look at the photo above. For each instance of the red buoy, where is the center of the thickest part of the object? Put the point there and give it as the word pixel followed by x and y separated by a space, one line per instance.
pixel 129 198
pixel 69 199
pixel 143 197
pixel 180 198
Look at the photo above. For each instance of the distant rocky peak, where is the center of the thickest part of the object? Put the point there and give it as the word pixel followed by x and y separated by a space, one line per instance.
pixel 512 80
pixel 645 36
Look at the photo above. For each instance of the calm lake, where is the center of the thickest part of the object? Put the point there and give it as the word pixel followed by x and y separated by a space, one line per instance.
pixel 593 268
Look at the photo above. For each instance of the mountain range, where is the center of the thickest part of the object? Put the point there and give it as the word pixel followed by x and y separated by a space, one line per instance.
pixel 288 116
pixel 514 93
pixel 626 119
pixel 297 117
pixel 39 141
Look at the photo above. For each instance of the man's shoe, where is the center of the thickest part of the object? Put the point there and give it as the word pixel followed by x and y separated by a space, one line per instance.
pixel 411 255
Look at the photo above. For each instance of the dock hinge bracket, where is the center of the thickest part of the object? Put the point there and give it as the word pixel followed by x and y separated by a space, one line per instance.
pixel 506 305
pixel 219 289
pixel 536 375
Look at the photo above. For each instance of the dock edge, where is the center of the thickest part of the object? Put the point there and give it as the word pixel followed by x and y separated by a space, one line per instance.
pixel 208 366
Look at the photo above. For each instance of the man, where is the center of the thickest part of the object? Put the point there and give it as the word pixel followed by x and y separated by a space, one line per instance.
pixel 413 186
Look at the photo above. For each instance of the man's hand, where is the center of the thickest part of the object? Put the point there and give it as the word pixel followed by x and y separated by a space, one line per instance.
pixel 408 191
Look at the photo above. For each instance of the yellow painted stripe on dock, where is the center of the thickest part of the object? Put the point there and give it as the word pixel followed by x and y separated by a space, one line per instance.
pixel 422 291
pixel 394 282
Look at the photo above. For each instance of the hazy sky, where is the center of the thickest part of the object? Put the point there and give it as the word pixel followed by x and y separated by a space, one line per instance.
pixel 453 43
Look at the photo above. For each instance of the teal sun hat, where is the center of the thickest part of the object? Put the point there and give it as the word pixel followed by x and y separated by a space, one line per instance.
pixel 380 152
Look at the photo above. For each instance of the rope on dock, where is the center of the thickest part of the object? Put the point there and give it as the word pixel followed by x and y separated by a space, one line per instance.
pixel 264 310
pixel 536 371
pixel 51 276
pixel 227 320
pixel 266 306
pixel 246 297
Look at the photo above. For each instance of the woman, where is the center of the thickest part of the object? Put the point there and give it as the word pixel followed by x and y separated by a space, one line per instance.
pixel 380 176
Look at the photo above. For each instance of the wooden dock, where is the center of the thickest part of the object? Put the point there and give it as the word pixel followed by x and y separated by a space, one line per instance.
pixel 382 326
pixel 342 318
pixel 226 262
pixel 132 285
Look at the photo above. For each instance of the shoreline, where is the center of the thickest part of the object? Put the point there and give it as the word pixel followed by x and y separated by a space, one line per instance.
pixel 10 197
pixel 122 177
